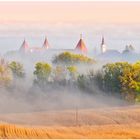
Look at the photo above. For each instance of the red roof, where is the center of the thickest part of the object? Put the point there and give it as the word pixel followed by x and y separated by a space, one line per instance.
pixel 24 46
pixel 46 44
pixel 81 46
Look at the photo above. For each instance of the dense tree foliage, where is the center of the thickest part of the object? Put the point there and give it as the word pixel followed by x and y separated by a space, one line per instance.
pixel 87 81
pixel 42 73
pixel 17 69
pixel 68 58
pixel 46 75
pixel 112 73
pixel 130 81
pixel 121 79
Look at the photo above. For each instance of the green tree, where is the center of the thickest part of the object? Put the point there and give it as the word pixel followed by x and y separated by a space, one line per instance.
pixel 112 73
pixel 130 80
pixel 17 69
pixel 42 73
pixel 123 78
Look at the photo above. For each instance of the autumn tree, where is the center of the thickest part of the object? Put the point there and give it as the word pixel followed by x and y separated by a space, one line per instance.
pixel 130 80
pixel 123 78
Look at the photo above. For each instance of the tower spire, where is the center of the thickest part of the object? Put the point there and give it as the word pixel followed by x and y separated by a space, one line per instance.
pixel 46 44
pixel 103 46
pixel 103 41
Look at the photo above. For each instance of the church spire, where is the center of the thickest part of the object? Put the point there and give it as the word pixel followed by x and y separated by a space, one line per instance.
pixel 46 44
pixel 103 46
pixel 103 41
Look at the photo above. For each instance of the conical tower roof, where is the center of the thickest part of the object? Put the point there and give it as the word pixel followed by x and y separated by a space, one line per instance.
pixel 46 44
pixel 81 45
pixel 24 47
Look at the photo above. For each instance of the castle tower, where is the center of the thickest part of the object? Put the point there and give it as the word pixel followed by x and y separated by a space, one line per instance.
pixel 46 44
pixel 24 47
pixel 103 46
pixel 81 47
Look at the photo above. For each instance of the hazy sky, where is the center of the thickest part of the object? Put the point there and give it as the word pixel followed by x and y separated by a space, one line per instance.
pixel 62 22
pixel 55 12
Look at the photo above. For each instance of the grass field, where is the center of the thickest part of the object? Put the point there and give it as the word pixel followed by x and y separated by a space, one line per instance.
pixel 121 122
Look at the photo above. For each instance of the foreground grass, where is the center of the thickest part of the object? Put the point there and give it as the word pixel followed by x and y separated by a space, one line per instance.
pixel 104 131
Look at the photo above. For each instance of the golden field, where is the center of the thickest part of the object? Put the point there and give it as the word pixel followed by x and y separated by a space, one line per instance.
pixel 115 122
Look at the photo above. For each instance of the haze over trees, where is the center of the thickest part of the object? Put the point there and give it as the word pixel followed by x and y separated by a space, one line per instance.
pixel 5 74
pixel 42 72
pixel 17 69
pixel 120 79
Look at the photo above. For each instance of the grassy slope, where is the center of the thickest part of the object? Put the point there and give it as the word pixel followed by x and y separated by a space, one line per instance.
pixel 123 122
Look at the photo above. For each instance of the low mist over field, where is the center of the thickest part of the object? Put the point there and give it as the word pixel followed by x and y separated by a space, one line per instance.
pixel 23 100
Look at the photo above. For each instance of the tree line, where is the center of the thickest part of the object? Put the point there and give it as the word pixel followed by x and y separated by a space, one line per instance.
pixel 120 79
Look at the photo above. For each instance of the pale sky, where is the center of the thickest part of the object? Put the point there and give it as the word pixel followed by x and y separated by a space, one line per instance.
pixel 73 12
pixel 63 22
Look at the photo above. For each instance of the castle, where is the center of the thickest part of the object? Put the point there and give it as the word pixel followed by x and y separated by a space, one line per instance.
pixel 26 49
pixel 46 52
pixel 80 47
